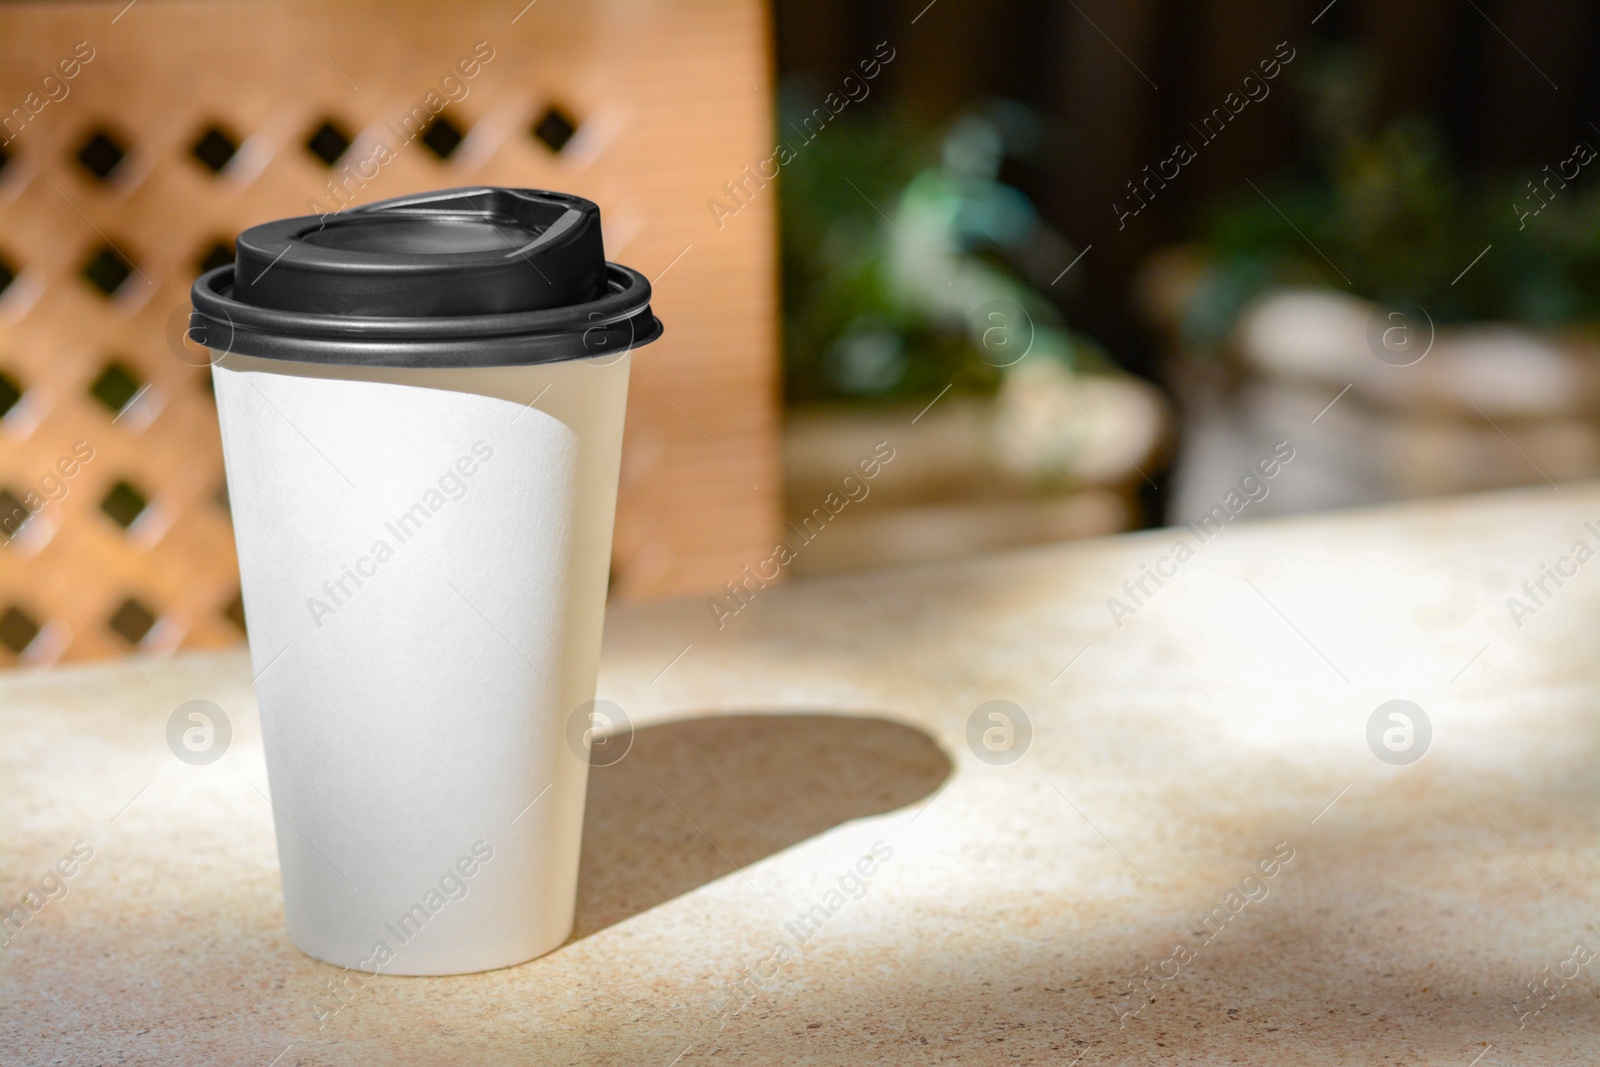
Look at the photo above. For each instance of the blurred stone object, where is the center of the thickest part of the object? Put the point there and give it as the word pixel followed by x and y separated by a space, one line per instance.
pixel 1380 403
pixel 1053 456
pixel 1051 426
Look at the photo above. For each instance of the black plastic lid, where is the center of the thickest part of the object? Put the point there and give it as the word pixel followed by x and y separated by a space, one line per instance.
pixel 459 278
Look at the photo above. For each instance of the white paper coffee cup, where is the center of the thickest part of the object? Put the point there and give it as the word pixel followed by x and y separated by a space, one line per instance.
pixel 424 553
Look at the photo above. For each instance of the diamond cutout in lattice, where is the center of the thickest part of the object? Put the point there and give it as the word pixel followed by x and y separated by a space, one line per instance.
pixel 220 254
pixel 14 514
pixel 101 154
pixel 234 611
pixel 17 629
pixel 443 136
pixel 554 128
pixel 215 149
pixel 107 271
pixel 123 504
pixel 115 386
pixel 328 142
pixel 132 621
pixel 10 393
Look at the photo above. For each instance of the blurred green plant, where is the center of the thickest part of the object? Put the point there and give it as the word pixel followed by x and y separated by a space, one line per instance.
pixel 896 236
pixel 1387 205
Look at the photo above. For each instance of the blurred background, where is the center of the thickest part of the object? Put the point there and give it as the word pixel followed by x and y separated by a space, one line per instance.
pixel 1045 270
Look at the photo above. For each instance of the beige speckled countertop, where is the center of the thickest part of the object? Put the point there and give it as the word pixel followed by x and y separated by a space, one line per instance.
pixel 1222 725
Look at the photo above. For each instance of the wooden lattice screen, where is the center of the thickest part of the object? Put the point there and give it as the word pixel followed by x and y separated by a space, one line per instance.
pixel 138 137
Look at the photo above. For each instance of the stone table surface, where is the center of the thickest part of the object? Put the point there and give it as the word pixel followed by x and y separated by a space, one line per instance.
pixel 1101 899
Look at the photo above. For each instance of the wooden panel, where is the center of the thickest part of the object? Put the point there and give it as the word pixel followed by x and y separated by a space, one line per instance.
pixel 668 102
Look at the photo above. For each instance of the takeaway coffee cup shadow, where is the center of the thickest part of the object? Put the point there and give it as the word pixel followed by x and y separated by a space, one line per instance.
pixel 752 784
